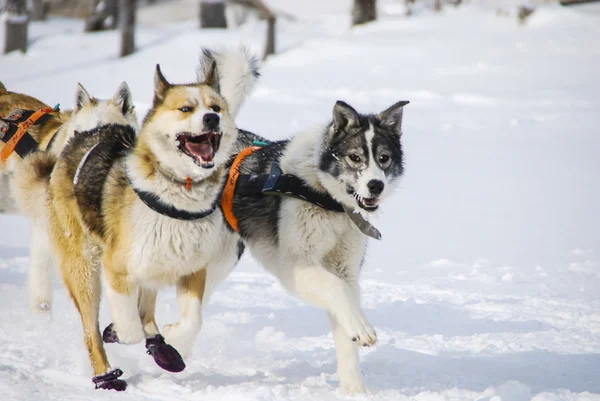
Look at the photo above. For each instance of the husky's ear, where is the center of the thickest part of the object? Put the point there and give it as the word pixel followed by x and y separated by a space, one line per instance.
pixel 391 118
pixel 343 116
pixel 123 98
pixel 212 77
pixel 161 85
pixel 82 97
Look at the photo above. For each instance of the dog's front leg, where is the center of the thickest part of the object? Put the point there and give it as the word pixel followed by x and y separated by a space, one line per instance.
pixel 123 300
pixel 346 350
pixel 190 293
pixel 320 287
pixel 341 298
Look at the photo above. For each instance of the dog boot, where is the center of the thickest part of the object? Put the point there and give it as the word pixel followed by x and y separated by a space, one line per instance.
pixel 109 335
pixel 110 381
pixel 165 355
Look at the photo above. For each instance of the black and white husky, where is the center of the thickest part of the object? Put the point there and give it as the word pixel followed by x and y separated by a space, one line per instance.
pixel 317 253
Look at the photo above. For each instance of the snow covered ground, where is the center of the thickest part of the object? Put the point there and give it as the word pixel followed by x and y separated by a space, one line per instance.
pixel 486 284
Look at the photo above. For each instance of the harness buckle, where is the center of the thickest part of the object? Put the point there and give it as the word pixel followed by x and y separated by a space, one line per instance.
pixel 271 183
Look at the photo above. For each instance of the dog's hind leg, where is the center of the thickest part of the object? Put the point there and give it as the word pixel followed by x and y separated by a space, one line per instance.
pixel 190 293
pixel 83 282
pixel 40 269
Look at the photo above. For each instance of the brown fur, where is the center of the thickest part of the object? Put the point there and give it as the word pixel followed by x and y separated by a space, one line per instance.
pixel 42 133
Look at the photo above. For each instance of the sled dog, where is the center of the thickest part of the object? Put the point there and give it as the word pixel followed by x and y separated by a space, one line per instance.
pixel 310 241
pixel 140 212
pixel 29 176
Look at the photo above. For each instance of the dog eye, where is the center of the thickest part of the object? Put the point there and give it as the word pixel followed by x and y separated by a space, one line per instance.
pixel 186 109
pixel 384 160
pixel 354 157
pixel 215 108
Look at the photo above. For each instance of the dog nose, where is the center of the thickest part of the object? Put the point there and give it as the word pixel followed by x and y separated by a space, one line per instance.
pixel 376 187
pixel 211 121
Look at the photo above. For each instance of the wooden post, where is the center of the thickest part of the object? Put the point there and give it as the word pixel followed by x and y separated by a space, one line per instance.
pixel 38 10
pixel 270 45
pixel 15 25
pixel 127 25
pixel 212 14
pixel 363 11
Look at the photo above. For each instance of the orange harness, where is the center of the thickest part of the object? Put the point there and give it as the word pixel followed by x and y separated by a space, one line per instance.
pixel 12 143
pixel 229 191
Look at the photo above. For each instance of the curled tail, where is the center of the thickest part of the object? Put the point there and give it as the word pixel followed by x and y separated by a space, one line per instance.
pixel 238 72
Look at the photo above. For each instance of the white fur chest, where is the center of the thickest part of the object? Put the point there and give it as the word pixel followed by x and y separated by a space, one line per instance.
pixel 165 249
pixel 310 233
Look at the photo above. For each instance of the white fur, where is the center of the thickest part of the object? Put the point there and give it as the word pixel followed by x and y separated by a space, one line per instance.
pixel 88 116
pixel 236 69
pixel 372 171
pixel 318 258
pixel 40 269
pixel 125 317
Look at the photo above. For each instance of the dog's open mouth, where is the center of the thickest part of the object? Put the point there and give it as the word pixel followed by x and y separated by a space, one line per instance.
pixel 202 148
pixel 369 204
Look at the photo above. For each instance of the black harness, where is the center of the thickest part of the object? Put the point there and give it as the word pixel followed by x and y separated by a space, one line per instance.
pixel 154 203
pixel 277 183
pixel 10 124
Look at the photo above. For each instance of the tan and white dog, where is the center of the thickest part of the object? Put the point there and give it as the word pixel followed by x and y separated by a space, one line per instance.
pixel 29 177
pixel 140 211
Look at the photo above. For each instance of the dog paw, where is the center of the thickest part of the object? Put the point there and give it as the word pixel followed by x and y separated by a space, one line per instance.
pixel 165 355
pixel 110 381
pixel 361 331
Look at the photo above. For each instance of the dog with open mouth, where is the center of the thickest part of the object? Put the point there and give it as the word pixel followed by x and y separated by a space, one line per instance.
pixel 307 223
pixel 139 210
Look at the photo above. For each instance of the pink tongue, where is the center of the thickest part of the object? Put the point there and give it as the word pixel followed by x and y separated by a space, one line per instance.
pixel 204 150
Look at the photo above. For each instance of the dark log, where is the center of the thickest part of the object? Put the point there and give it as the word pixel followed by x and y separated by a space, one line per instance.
pixel 212 14
pixel 15 25
pixel 363 11
pixel 127 26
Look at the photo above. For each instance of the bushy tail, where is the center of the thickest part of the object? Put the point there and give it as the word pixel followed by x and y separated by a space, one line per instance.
pixel 238 72
pixel 3 90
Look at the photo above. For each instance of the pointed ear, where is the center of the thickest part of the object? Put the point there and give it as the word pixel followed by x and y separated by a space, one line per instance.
pixel 343 116
pixel 123 98
pixel 391 118
pixel 82 97
pixel 161 85
pixel 212 77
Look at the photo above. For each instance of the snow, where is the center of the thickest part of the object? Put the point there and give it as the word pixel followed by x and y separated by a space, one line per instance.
pixel 485 285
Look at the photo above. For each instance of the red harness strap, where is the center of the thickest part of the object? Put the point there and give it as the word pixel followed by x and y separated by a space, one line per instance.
pixel 229 191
